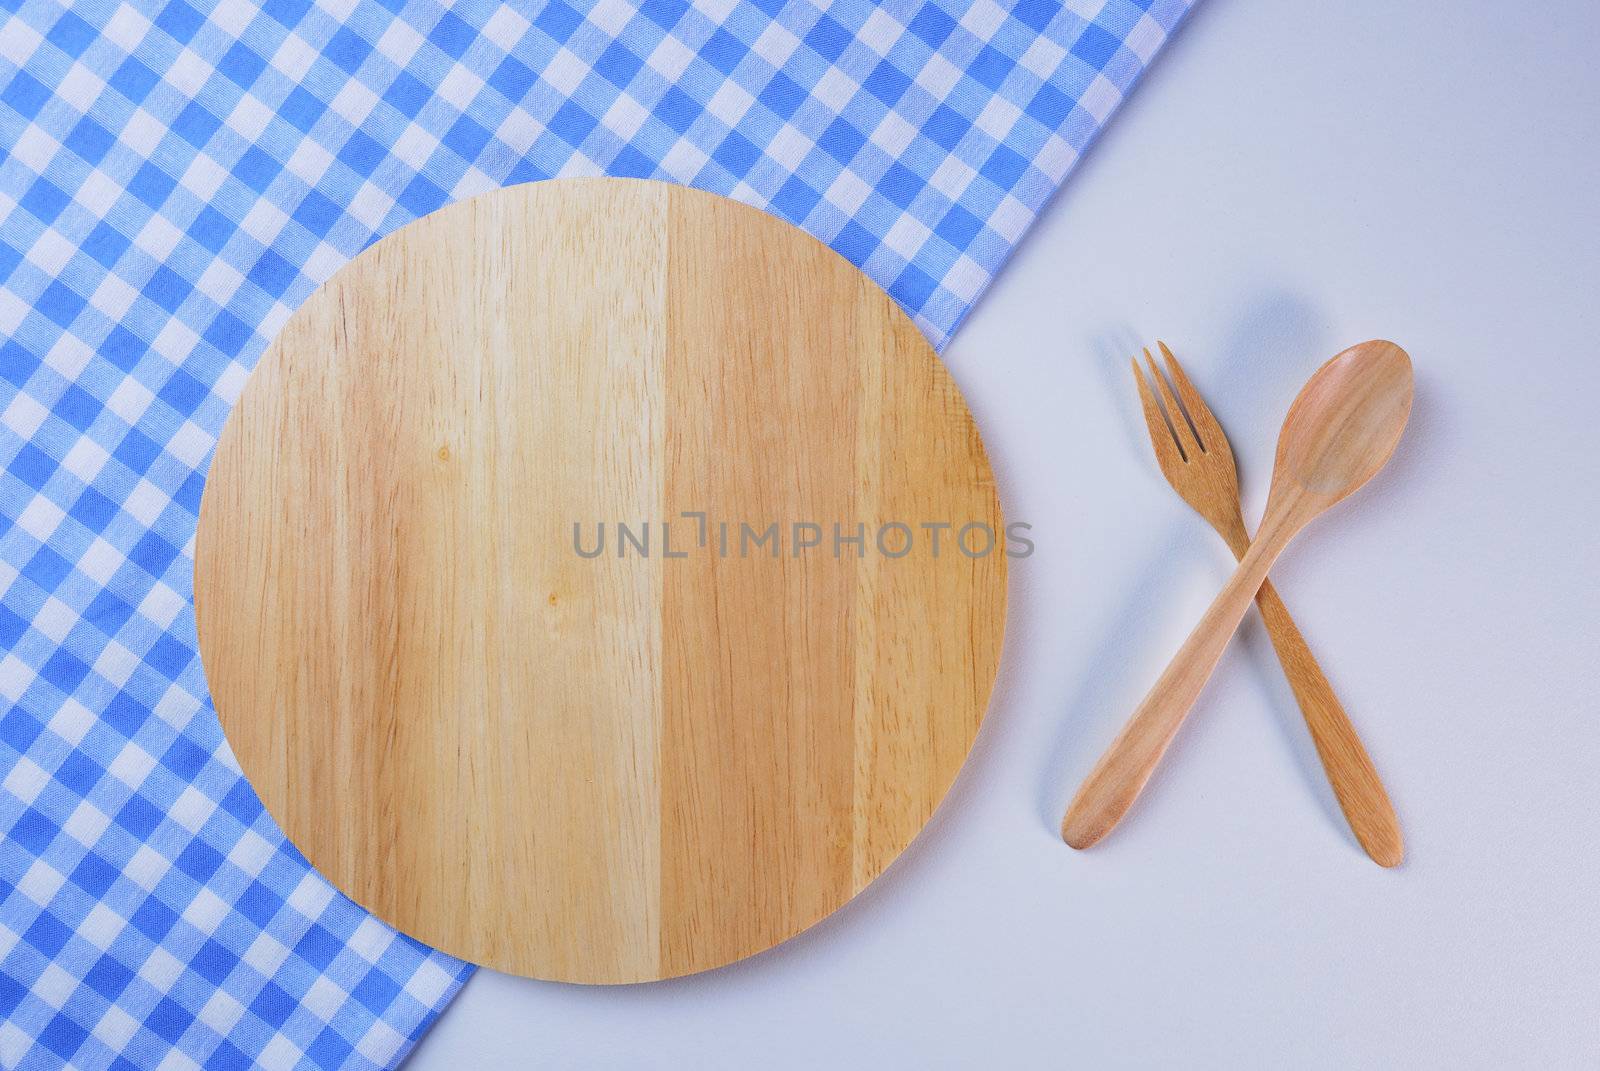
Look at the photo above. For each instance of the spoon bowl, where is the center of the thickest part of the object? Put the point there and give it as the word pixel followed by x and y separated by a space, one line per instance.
pixel 1344 424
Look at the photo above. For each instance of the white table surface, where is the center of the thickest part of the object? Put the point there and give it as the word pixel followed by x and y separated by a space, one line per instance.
pixel 1291 178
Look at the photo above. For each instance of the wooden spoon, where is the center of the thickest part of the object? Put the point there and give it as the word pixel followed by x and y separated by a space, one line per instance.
pixel 1340 430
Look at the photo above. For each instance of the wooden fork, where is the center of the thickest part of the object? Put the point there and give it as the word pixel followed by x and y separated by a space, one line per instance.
pixel 1195 457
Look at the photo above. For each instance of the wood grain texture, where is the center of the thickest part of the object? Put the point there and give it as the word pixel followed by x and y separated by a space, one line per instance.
pixel 1342 428
pixel 617 768
pixel 1197 460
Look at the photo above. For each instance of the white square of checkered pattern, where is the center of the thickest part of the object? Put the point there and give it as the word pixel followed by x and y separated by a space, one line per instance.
pixel 175 178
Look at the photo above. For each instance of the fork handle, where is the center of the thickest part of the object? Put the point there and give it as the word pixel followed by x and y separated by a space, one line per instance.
pixel 1350 771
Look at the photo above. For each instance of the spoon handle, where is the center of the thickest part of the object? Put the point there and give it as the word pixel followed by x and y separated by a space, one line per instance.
pixel 1122 771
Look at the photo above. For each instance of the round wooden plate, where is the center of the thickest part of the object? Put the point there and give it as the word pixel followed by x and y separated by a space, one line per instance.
pixel 641 763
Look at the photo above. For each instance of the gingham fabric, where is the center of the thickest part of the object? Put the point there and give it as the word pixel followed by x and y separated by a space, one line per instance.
pixel 177 177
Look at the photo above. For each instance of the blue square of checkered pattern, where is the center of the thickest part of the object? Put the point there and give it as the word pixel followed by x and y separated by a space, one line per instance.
pixel 176 178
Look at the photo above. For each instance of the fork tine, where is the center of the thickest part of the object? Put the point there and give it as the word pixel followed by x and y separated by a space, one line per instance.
pixel 1180 423
pixel 1211 434
pixel 1166 447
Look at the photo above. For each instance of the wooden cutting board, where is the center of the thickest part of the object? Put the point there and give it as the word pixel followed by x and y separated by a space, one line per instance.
pixel 633 765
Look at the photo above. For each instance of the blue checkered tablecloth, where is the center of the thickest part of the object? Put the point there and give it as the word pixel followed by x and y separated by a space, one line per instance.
pixel 176 178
